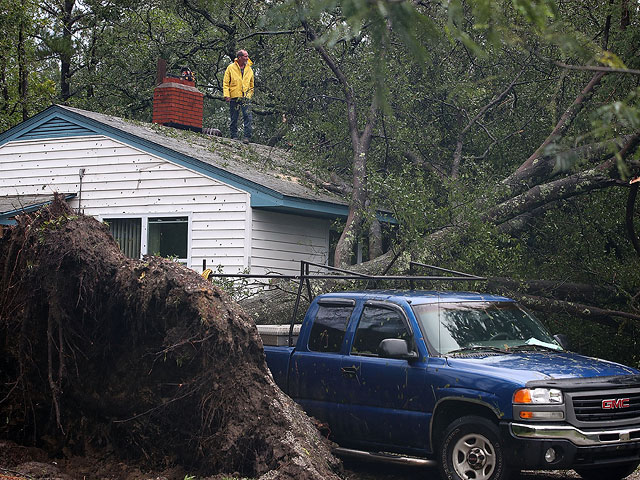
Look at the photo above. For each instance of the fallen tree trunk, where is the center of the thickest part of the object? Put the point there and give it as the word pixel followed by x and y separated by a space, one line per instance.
pixel 558 290
pixel 599 315
pixel 145 358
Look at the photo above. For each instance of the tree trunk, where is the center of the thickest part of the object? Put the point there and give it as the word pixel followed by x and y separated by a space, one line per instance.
pixel 375 239
pixel 4 87
pixel 349 238
pixel 23 78
pixel 630 215
pixel 66 54
pixel 360 142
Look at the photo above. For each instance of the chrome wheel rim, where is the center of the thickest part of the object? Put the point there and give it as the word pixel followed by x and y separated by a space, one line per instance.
pixel 474 457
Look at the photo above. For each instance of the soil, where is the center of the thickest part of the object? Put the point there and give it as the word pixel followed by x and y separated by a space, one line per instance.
pixel 28 463
pixel 118 362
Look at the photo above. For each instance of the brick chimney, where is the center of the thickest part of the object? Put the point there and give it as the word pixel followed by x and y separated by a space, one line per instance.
pixel 177 102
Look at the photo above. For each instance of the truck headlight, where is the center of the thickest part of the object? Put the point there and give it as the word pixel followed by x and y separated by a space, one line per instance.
pixel 538 396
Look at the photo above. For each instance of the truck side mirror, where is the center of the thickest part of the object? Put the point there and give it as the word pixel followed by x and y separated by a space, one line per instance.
pixel 396 348
pixel 563 340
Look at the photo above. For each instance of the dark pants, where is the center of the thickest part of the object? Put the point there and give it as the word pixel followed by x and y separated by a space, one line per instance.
pixel 235 105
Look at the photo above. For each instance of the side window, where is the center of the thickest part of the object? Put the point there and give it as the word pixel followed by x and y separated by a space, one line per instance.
pixel 168 236
pixel 376 324
pixel 329 327
pixel 127 232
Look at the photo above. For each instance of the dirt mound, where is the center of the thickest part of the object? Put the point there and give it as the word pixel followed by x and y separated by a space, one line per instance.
pixel 142 358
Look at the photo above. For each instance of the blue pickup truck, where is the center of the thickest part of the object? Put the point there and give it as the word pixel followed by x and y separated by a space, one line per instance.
pixel 469 382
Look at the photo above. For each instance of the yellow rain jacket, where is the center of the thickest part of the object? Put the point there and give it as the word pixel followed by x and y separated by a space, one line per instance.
pixel 236 83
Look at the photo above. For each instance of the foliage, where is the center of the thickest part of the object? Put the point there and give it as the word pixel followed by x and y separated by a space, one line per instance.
pixel 236 288
pixel 26 83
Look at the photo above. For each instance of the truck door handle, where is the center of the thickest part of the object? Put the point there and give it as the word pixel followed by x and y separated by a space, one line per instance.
pixel 350 371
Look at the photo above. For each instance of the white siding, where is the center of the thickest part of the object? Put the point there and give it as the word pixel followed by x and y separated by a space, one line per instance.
pixel 280 241
pixel 122 181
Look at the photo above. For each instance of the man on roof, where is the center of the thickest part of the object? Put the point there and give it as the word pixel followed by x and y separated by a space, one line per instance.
pixel 237 89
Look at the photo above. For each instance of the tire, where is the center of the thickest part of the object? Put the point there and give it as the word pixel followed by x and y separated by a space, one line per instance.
pixel 616 472
pixel 470 449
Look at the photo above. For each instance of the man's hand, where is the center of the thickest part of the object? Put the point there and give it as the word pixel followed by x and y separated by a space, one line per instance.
pixel 227 99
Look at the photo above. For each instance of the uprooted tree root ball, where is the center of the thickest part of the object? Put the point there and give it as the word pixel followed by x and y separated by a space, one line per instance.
pixel 142 358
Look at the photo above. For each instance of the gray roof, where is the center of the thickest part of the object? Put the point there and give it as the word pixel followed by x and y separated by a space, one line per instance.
pixel 266 166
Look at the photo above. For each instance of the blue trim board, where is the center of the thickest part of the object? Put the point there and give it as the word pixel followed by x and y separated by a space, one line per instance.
pixel 6 218
pixel 55 127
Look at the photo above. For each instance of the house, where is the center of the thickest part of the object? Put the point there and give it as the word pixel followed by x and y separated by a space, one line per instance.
pixel 171 192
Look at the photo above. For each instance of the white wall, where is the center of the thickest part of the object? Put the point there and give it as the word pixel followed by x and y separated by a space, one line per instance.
pixel 280 241
pixel 121 181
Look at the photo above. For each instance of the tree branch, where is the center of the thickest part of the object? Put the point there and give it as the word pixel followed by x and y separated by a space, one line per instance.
pixel 580 183
pixel 631 230
pixel 458 151
pixel 563 124
pixel 207 16
pixel 337 71
pixel 558 289
pixel 593 68
pixel 546 166
pixel 277 32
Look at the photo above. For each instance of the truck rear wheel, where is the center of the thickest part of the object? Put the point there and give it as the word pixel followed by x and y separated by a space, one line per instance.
pixel 616 472
pixel 470 449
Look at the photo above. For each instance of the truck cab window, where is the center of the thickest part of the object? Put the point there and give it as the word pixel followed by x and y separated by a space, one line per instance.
pixel 377 324
pixel 329 327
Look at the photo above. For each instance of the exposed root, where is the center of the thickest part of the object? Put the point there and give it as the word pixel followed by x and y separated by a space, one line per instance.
pixel 145 358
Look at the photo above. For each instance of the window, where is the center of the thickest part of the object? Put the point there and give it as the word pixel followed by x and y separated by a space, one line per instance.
pixel 329 327
pixel 452 326
pixel 161 236
pixel 168 236
pixel 377 324
pixel 127 232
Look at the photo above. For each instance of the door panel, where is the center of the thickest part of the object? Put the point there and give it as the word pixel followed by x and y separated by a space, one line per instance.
pixel 315 379
pixel 387 399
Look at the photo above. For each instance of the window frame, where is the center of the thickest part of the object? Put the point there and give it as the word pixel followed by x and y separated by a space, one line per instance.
pixel 411 343
pixel 144 231
pixel 332 303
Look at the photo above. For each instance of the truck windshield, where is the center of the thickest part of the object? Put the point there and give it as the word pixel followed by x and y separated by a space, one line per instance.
pixel 494 326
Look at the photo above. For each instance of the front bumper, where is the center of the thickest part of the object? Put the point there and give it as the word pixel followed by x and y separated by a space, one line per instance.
pixel 526 445
pixel 575 435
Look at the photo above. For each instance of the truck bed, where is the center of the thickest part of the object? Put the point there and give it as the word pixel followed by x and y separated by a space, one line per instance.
pixel 275 339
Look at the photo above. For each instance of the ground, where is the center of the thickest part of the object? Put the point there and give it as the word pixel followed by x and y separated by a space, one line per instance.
pixel 23 463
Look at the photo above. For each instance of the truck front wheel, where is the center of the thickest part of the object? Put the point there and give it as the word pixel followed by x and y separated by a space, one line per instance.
pixel 470 449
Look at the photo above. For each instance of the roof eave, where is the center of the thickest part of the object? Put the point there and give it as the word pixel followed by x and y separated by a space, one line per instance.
pixel 286 204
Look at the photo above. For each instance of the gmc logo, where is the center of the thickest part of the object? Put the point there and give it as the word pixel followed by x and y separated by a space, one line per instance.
pixel 615 403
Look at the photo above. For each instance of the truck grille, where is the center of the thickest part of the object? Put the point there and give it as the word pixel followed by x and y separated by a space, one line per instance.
pixel 606 406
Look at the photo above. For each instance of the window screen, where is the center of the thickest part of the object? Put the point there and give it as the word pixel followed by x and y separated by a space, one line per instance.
pixel 168 236
pixel 329 327
pixel 375 325
pixel 127 232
